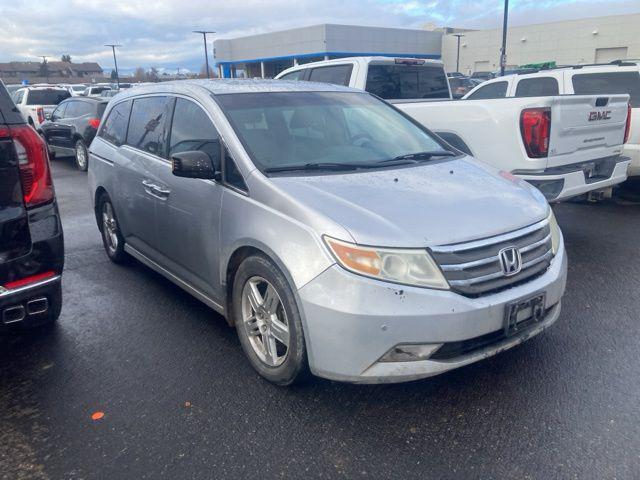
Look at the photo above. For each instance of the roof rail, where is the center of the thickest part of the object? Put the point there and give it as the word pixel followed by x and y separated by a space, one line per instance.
pixel 619 63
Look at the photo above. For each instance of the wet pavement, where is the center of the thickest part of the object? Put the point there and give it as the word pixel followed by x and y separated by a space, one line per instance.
pixel 180 401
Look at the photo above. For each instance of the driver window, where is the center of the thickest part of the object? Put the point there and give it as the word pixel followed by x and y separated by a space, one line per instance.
pixel 58 113
pixel 193 130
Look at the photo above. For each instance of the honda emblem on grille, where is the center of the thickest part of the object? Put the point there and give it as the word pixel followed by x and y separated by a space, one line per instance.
pixel 510 261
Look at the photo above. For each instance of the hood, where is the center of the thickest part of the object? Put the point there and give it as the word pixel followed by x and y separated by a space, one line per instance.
pixel 432 204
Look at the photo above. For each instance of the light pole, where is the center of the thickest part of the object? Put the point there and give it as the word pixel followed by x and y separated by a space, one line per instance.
pixel 458 55
pixel 113 49
pixel 503 51
pixel 44 66
pixel 206 54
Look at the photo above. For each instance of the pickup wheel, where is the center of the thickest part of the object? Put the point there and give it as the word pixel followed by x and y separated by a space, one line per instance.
pixel 82 156
pixel 112 238
pixel 268 322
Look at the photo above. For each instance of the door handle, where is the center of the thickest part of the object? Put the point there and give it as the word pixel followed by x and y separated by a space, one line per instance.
pixel 155 190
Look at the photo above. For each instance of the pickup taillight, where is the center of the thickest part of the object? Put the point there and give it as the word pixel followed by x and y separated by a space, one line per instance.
pixel 40 113
pixel 627 128
pixel 535 127
pixel 33 163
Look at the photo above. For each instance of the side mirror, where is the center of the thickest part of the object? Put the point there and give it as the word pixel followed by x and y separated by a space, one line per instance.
pixel 194 164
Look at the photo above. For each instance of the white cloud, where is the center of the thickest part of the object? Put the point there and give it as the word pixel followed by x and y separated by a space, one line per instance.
pixel 159 32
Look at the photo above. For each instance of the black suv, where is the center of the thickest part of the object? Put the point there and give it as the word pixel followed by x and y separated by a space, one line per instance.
pixel 72 126
pixel 31 241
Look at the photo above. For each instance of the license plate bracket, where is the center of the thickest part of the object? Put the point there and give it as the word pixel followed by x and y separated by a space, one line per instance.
pixel 524 312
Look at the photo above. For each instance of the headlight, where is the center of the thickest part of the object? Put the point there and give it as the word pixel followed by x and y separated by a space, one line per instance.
pixel 405 266
pixel 555 232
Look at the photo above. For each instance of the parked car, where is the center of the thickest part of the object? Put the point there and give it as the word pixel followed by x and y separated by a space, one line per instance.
pixel 604 79
pixel 331 229
pixel 483 75
pixel 460 86
pixel 31 243
pixel 456 75
pixel 547 140
pixel 75 90
pixel 35 103
pixel 72 126
pixel 12 88
pixel 95 90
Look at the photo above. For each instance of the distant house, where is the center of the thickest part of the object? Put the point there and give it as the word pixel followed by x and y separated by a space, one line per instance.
pixel 58 70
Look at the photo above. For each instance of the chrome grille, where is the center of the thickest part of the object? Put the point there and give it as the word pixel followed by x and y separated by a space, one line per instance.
pixel 474 269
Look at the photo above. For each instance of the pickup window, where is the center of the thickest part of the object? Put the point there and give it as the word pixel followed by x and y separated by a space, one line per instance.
pixel 492 90
pixel 404 82
pixel 46 97
pixel 609 83
pixel 537 87
pixel 336 74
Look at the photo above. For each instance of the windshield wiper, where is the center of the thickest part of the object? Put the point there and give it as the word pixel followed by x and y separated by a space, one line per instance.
pixel 319 166
pixel 421 156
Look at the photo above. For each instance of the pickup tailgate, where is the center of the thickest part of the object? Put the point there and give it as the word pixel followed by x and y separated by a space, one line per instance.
pixel 15 239
pixel 586 127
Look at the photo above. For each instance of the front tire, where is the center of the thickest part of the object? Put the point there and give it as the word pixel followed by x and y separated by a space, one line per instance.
pixel 268 322
pixel 82 156
pixel 112 238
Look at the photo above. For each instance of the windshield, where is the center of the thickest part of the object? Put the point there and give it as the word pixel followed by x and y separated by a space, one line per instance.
pixel 47 97
pixel 79 88
pixel 280 130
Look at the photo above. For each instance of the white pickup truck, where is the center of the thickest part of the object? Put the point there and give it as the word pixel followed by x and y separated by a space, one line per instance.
pixel 564 145
pixel 35 103
pixel 616 77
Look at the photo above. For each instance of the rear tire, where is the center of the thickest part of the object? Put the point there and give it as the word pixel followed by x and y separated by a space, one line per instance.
pixel 82 156
pixel 112 238
pixel 268 322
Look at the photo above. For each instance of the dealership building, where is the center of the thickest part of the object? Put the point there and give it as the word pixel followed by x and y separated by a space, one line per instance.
pixel 267 54
pixel 588 40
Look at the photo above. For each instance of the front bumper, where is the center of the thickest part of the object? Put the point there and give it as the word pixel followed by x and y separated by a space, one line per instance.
pixel 562 183
pixel 351 322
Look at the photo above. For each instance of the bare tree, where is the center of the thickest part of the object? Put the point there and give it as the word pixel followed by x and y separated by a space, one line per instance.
pixel 66 58
pixel 139 74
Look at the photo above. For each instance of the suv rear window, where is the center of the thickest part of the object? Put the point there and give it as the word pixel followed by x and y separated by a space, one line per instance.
pixel 401 82
pixel 609 82
pixel 47 97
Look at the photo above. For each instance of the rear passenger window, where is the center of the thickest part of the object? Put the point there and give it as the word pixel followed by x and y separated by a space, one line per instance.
pixel 492 90
pixel 293 75
pixel 78 109
pixel 338 74
pixel 609 83
pixel 537 87
pixel 114 128
pixel 148 125
pixel 193 130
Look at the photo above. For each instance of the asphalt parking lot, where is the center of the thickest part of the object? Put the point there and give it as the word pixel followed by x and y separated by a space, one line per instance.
pixel 180 401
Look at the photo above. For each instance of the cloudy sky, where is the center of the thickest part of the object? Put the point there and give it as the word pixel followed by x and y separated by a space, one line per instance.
pixel 158 32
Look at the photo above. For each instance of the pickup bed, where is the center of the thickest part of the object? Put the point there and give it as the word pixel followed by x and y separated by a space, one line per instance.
pixel 566 145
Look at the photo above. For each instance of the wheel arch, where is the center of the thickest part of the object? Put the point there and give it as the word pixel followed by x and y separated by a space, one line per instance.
pixel 100 190
pixel 238 254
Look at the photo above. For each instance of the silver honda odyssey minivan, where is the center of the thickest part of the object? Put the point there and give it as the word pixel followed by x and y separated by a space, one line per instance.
pixel 336 234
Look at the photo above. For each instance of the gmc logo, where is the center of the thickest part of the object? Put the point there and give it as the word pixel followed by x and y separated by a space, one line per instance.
pixel 603 115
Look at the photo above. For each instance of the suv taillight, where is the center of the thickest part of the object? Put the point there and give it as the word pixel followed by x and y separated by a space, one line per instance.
pixel 33 162
pixel 40 113
pixel 535 127
pixel 94 122
pixel 627 128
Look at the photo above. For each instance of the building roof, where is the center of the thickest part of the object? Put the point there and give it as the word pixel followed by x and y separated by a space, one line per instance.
pixel 34 67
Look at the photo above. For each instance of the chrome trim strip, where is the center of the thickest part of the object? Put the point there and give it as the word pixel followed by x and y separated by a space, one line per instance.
pixel 7 293
pixel 535 245
pixel 461 247
pixel 492 276
pixel 178 281
pixel 463 266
